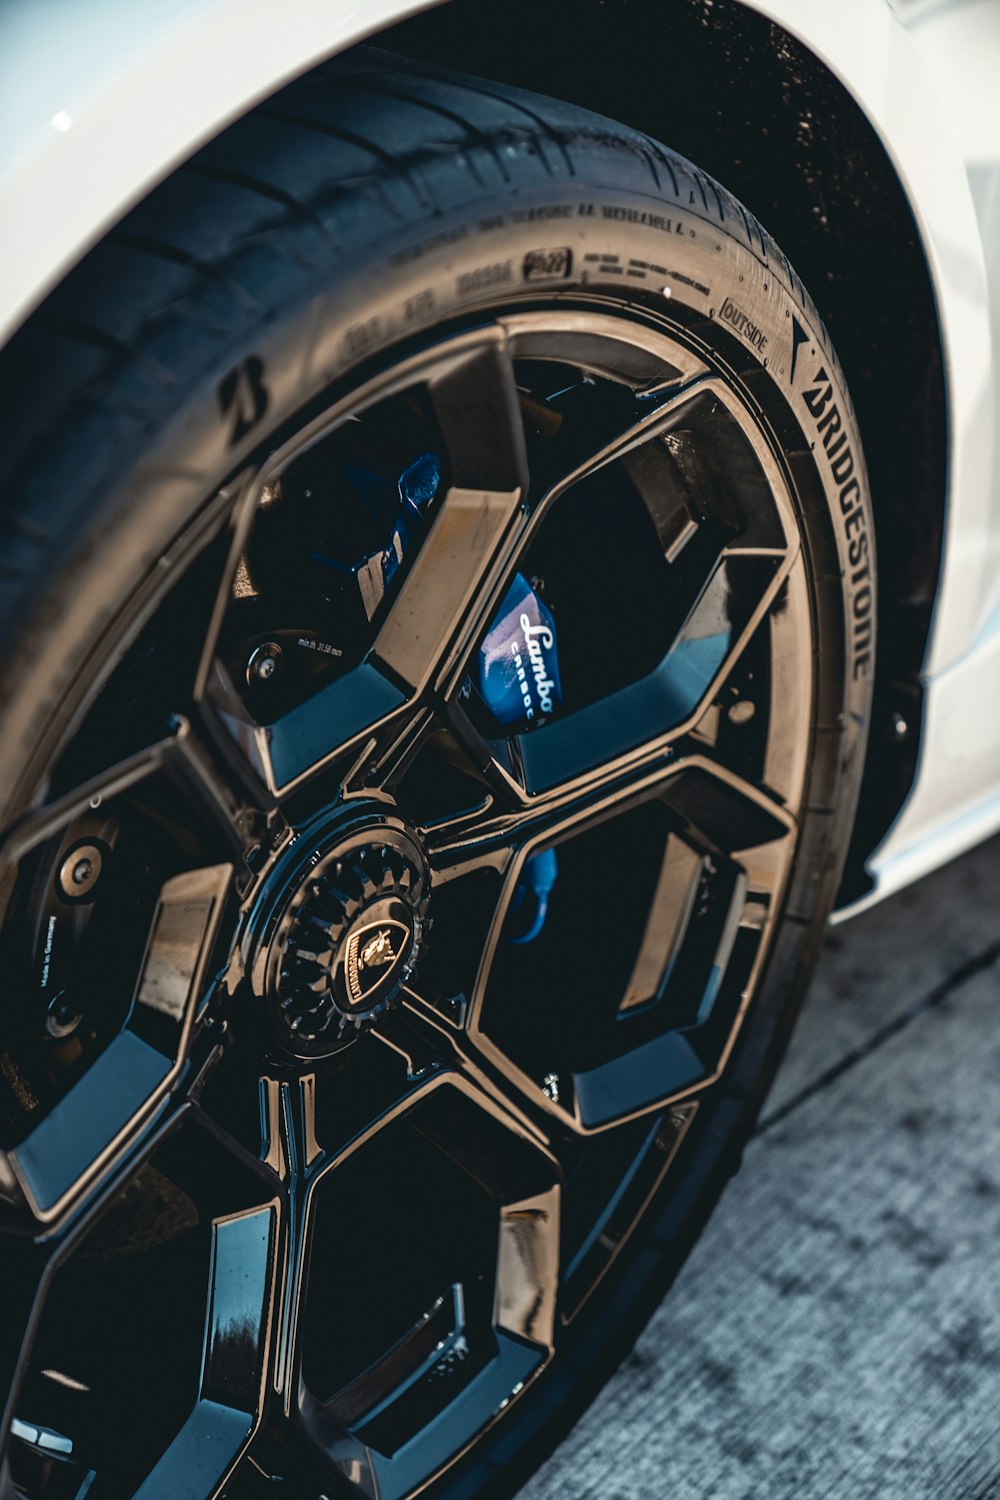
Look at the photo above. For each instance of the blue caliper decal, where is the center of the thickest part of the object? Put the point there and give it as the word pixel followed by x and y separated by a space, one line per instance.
pixel 517 670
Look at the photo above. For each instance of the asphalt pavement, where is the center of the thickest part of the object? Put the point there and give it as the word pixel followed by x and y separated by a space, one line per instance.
pixel 836 1333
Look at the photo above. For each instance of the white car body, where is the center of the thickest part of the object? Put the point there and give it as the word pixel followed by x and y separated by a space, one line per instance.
pixel 100 101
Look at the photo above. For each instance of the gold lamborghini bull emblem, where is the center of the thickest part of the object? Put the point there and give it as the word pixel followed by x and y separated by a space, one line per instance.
pixel 377 950
pixel 371 957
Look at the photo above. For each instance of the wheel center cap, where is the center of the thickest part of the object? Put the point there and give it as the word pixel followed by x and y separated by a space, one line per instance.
pixel 372 954
pixel 342 938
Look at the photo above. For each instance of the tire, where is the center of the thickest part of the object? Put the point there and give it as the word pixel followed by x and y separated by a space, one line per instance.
pixel 199 1091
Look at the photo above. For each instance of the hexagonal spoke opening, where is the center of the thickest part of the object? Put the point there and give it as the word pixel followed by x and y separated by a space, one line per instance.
pixel 463 914
pixel 739 590
pixel 112 922
pixel 455 1215
pixel 636 590
pixel 603 1029
pixel 366 551
pixel 441 785
pixel 174 1279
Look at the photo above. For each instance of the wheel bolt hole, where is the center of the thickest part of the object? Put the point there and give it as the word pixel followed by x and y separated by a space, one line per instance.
pixel 63 1016
pixel 264 663
pixel 80 871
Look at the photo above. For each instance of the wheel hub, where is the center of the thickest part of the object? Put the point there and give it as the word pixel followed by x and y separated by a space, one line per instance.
pixel 343 936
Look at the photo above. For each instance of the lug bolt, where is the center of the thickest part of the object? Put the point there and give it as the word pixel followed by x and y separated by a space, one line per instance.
pixel 80 871
pixel 62 1017
pixel 264 663
pixel 898 727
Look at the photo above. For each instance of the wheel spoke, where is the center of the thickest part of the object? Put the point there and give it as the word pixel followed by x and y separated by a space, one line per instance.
pixel 667 408
pixel 387 757
pixel 45 822
pixel 724 811
pixel 231 1389
pixel 449 572
pixel 475 401
pixel 331 723
pixel 528 1268
pixel 476 405
pixel 608 387
pixel 197 773
pixel 183 759
pixel 670 912
pixel 491 761
pixel 241 499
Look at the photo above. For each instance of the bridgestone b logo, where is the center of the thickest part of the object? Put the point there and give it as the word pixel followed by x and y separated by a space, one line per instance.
pixel 840 459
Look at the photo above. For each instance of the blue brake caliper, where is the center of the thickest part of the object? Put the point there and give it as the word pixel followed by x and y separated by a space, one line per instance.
pixel 530 903
pixel 402 508
pixel 517 674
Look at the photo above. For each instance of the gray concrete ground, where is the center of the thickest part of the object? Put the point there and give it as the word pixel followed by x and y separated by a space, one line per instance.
pixel 836 1334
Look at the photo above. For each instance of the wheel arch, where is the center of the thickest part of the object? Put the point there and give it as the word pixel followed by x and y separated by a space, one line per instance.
pixel 827 189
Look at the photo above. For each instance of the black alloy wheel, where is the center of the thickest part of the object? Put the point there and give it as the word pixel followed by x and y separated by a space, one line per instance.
pixel 419 832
